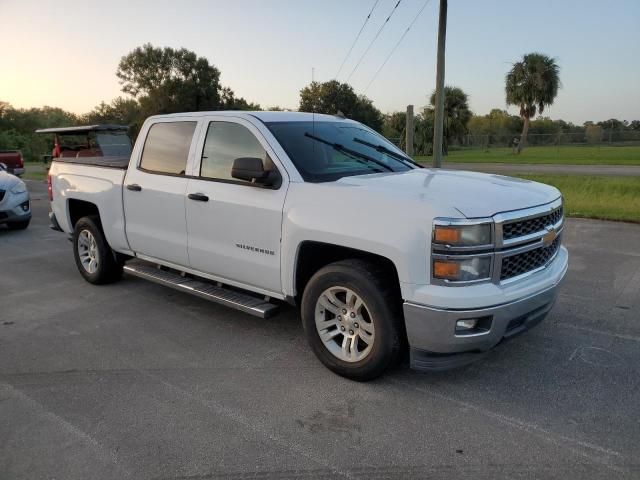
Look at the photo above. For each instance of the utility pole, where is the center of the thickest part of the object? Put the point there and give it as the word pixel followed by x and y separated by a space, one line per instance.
pixel 408 148
pixel 438 125
pixel 610 131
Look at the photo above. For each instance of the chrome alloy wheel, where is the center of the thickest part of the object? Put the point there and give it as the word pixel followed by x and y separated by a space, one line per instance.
pixel 88 251
pixel 344 324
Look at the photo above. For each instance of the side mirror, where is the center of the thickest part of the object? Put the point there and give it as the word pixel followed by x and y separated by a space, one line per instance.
pixel 3 167
pixel 251 169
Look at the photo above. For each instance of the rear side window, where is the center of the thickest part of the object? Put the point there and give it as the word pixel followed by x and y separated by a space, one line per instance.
pixel 224 143
pixel 166 147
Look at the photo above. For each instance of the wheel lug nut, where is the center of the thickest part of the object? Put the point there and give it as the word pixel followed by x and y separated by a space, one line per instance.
pixel 353 314
pixel 350 332
pixel 339 318
pixel 344 310
pixel 355 325
pixel 342 328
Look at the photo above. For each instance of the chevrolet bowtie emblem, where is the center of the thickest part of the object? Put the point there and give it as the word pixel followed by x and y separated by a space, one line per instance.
pixel 550 236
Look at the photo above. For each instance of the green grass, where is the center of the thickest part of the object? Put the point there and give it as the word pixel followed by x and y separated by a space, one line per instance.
pixel 564 154
pixel 34 171
pixel 603 197
pixel 34 175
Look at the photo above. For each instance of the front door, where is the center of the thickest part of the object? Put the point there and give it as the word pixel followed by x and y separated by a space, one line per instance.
pixel 234 226
pixel 154 193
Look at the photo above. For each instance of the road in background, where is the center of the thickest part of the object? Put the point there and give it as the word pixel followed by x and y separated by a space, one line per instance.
pixel 514 168
pixel 133 380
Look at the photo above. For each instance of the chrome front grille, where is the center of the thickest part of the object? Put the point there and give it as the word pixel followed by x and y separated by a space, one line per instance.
pixel 519 264
pixel 520 228
pixel 527 239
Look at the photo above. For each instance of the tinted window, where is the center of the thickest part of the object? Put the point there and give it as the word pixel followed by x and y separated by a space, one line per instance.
pixel 224 143
pixel 114 143
pixel 167 147
pixel 327 151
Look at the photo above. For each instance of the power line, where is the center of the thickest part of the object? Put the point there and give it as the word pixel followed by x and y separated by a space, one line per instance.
pixel 372 41
pixel 397 44
pixel 357 37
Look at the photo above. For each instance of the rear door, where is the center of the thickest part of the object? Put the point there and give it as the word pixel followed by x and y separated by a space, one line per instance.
pixel 234 226
pixel 155 189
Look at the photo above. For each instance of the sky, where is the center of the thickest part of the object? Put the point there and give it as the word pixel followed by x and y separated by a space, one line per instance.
pixel 65 53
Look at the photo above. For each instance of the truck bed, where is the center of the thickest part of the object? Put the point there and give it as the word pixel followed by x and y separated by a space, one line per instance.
pixel 107 162
pixel 96 182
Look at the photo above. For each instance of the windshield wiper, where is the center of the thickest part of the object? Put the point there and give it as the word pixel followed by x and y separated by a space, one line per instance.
pixel 383 149
pixel 353 153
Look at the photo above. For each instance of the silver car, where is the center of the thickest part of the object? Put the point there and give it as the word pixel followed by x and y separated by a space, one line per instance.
pixel 15 207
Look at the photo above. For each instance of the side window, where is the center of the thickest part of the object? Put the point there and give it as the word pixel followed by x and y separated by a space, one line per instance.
pixel 166 147
pixel 224 143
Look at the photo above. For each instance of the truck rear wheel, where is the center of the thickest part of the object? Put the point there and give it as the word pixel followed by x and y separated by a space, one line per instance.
pixel 94 258
pixel 350 318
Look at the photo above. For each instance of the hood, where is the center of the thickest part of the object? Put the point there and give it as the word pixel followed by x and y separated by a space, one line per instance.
pixel 472 194
pixel 8 181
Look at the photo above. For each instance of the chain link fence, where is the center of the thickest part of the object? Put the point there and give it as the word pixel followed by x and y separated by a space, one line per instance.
pixel 591 136
pixel 602 137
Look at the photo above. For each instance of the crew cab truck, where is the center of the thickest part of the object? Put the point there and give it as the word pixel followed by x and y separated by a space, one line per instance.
pixel 250 209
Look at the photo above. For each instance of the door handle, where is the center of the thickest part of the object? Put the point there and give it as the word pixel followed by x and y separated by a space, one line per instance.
pixel 134 187
pixel 200 197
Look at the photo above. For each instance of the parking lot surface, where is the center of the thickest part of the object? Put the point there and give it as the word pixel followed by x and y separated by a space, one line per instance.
pixel 134 380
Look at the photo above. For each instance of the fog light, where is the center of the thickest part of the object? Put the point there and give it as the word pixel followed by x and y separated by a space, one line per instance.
pixel 25 206
pixel 466 324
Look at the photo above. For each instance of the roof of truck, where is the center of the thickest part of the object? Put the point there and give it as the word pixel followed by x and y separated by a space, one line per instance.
pixel 82 129
pixel 267 116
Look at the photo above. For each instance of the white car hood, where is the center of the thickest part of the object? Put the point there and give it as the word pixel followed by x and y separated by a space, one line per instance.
pixel 8 181
pixel 472 194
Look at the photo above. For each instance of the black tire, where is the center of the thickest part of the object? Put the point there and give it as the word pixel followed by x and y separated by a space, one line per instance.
pixel 367 280
pixel 108 269
pixel 19 225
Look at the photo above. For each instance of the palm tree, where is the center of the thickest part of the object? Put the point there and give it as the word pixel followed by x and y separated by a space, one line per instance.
pixel 532 84
pixel 456 114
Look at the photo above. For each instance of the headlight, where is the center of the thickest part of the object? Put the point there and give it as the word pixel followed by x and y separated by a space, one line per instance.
pixel 462 235
pixel 19 188
pixel 462 269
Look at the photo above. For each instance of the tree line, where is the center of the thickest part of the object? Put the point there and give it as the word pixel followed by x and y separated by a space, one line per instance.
pixel 166 80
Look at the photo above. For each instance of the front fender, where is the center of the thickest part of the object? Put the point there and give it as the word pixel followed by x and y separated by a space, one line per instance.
pixel 354 218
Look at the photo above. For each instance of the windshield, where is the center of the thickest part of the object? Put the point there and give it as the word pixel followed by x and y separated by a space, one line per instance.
pixel 327 151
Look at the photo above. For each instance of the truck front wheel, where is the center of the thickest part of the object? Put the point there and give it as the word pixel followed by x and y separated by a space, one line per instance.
pixel 94 258
pixel 350 317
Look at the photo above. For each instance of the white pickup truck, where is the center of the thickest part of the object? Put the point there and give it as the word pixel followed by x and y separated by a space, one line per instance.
pixel 381 256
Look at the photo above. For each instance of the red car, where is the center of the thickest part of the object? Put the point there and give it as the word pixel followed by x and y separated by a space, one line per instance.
pixel 13 161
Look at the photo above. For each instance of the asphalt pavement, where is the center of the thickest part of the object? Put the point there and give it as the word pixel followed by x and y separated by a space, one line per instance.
pixel 136 381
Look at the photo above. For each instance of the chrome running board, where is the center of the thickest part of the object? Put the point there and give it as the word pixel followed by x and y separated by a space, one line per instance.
pixel 215 292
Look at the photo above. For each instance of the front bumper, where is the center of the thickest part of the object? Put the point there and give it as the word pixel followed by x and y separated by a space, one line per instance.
pixel 15 208
pixel 435 344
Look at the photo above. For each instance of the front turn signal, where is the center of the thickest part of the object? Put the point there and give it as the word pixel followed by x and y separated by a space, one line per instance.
pixel 446 270
pixel 447 235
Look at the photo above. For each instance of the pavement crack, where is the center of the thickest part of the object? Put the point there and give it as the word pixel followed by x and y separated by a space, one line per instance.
pixel 104 453
pixel 603 454
pixel 252 425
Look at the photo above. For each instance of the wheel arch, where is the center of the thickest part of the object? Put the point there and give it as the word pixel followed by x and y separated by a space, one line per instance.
pixel 76 209
pixel 312 255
